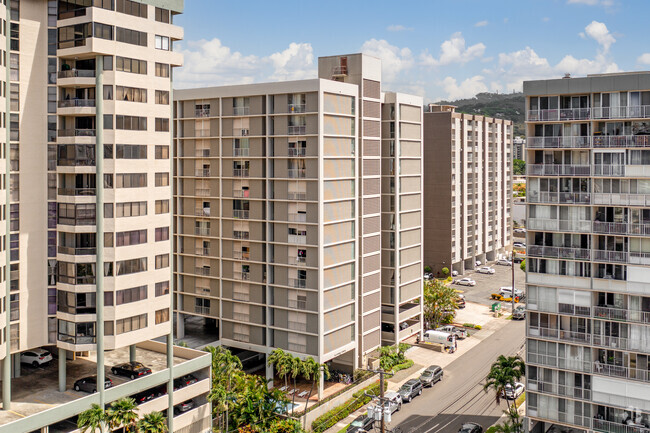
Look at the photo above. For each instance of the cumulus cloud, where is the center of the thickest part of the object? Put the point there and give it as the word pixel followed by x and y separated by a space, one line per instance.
pixel 294 63
pixel 644 59
pixel 453 50
pixel 394 60
pixel 397 28
pixel 599 32
pixel 481 23
pixel 466 89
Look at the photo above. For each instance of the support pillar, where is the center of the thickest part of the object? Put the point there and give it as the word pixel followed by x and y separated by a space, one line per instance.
pixel 6 363
pixel 269 372
pixel 62 369
pixel 180 326
pixel 132 353
pixel 16 363
pixel 321 385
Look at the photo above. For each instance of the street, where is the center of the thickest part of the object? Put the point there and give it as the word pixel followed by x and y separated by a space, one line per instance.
pixel 459 396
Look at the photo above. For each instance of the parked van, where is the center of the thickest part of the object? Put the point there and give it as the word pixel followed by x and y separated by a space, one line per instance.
pixel 445 338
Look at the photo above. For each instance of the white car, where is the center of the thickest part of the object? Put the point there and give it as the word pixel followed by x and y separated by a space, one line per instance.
pixel 454 273
pixel 428 276
pixel 520 230
pixel 460 333
pixel 35 357
pixel 486 270
pixel 506 292
pixel 513 394
pixel 466 282
pixel 504 262
pixel 519 245
pixel 478 263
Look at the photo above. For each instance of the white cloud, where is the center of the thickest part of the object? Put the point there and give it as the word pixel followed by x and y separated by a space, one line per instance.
pixel 644 59
pixel 481 23
pixel 606 3
pixel 294 63
pixel 599 32
pixel 398 28
pixel 453 51
pixel 393 59
pixel 466 89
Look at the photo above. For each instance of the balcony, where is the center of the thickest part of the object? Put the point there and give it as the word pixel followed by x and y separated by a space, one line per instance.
pixel 297 151
pixel 621 228
pixel 338 71
pixel 69 103
pixel 574 310
pixel 558 252
pixel 73 251
pixel 240 151
pixel 621 141
pixel 296 108
pixel 202 192
pixel 634 112
pixel 568 142
pixel 74 73
pixel 241 111
pixel 241 255
pixel 296 173
pixel 297 326
pixel 202 112
pixel 203 271
pixel 78 221
pixel 558 170
pixel 239 193
pixel 631 257
pixel 76 132
pixel 202 132
pixel 559 197
pixel 548 224
pixel 622 372
pixel 621 314
pixel 243 276
pixel 609 170
pixel 297 239
pixel 77 191
pixel 201 231
pixel 240 234
pixel 202 211
pixel 296 195
pixel 300 261
pixel 298 282
pixel 199 309
pixel 241 214
pixel 202 172
pixel 296 129
pixel 202 251
pixel 241 132
pixel 298 217
pixel 241 172
pixel 556 389
pixel 76 280
pixel 558 114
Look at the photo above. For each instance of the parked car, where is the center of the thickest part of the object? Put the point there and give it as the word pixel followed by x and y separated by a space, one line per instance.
pixel 502 298
pixel 520 230
pixel 506 292
pixel 470 427
pixel 184 407
pixel 519 259
pixel 181 382
pixel 478 263
pixel 466 282
pixel 486 270
pixel 460 333
pixel 519 313
pixel 454 273
pixel 131 369
pixel 393 401
pixel 428 276
pixel 35 357
pixel 360 423
pixel 511 393
pixel 519 245
pixel 460 301
pixel 89 384
pixel 431 375
pixel 411 389
pixel 144 396
pixel 504 262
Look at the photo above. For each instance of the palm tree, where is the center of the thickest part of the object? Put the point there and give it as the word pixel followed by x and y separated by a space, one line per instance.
pixel 506 427
pixel 153 422
pixel 504 373
pixel 92 419
pixel 295 369
pixel 439 300
pixel 122 412
pixel 312 371
pixel 225 366
pixel 279 359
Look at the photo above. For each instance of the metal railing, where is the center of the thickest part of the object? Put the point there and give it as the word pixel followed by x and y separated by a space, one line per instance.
pixel 610 341
pixel 239 213
pixel 202 192
pixel 202 153
pixel 574 310
pixel 298 217
pixel 296 195
pixel 77 191
pixel 297 282
pixel 202 132
pixel 565 142
pixel 557 389
pixel 621 228
pixel 79 221
pixel 559 197
pixel 240 151
pixel 76 132
pixel 620 371
pixel 88 251
pixel 558 169
pixel 296 173
pixel 558 252
pixel 199 309
pixel 201 211
pixel 558 225
pixel 297 239
pixel 621 314
pixel 202 231
pixel 241 111
pixel 339 70
pixel 244 276
pixel 297 151
pixel 241 255
pixel 300 305
pixel 202 172
pixel 241 193
pixel 81 73
pixel 241 172
pixel 67 103
pixel 202 271
pixel 609 170
pixel 240 234
pixel 299 260
pixel 296 108
pixel 559 114
pixel 621 141
pixel 202 112
pixel 241 132
pixel 203 251
pixel 297 326
pixel 296 129
pixel 632 112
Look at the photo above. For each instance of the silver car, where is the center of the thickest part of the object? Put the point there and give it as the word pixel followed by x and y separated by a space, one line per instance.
pixel 460 333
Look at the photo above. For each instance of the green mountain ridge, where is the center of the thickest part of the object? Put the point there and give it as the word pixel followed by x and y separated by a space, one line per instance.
pixel 509 106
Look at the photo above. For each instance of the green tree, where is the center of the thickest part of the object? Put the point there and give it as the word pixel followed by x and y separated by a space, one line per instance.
pixel 522 265
pixel 225 367
pixel 439 301
pixel 153 422
pixel 427 269
pixel 519 167
pixel 312 371
pixel 92 419
pixel 295 369
pixel 281 361
pixel 445 271
pixel 286 426
pixel 123 412
pixel 505 371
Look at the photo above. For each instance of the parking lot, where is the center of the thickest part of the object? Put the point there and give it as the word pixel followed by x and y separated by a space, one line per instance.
pixel 486 284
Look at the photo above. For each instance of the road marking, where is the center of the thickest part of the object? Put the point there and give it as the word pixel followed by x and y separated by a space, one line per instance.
pixel 42 402
pixel 454 419
pixel 432 427
pixel 16 413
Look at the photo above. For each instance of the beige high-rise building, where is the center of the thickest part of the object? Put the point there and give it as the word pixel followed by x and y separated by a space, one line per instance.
pixel 279 213
pixel 88 273
pixel 468 188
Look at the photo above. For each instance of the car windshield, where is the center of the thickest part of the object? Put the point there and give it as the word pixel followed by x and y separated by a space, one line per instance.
pixel 466 429
pixel 406 388
pixel 427 373
pixel 357 423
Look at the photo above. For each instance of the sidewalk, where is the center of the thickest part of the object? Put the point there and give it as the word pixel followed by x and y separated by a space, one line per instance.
pixel 422 357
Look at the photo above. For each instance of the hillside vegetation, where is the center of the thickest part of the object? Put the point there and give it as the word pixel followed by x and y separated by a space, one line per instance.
pixel 509 106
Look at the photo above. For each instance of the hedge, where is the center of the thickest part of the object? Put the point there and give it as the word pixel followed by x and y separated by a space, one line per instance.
pixel 403 366
pixel 472 326
pixel 358 400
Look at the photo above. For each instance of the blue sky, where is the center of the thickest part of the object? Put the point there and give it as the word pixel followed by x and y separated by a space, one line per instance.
pixel 437 49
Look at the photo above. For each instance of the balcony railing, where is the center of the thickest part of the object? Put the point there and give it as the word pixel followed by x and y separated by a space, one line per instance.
pixel 240 151
pixel 558 169
pixel 621 228
pixel 76 132
pixel 202 132
pixel 559 197
pixel 297 282
pixel 202 271
pixel 296 108
pixel 300 305
pixel 559 114
pixel 574 310
pixel 558 252
pixel 297 326
pixel 568 142
pixel 202 192
pixel 202 251
pixel 79 221
pixel 296 129
pixel 202 172
pixel 239 213
pixel 299 260
pixel 559 334
pixel 297 151
pixel 240 234
pixel 608 141
pixel 340 70
pixel 632 257
pixel 77 191
pixel 621 314
pixel 202 211
pixel 609 170
pixel 201 231
pixel 202 153
pixel 610 341
pixel 241 172
pixel 202 112
pixel 82 73
pixel 633 112
pixel 296 173
pixel 68 103
pixel 554 388
pixel 87 251
pixel 241 255
pixel 298 217
pixel 241 193
pixel 559 225
pixel 620 371
pixel 297 239
pixel 199 309
pixel 241 111
pixel 245 276
pixel 296 195
pixel 241 132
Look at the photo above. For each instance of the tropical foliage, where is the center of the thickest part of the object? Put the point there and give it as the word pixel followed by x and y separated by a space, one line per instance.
pixel 522 266
pixel 121 413
pixel 390 356
pixel 518 167
pixel 439 302
pixel 505 371
pixel 92 419
pixel 153 422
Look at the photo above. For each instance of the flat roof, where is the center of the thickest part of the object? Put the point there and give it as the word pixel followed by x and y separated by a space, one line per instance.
pixel 619 81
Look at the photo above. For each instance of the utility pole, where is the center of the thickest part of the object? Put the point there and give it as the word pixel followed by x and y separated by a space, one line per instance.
pixel 381 397
pixel 513 279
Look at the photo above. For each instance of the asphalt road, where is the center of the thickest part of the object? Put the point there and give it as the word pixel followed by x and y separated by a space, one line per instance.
pixel 459 396
pixel 486 284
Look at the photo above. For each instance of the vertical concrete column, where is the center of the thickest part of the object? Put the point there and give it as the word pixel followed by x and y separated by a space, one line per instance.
pixel 6 363
pixel 132 352
pixel 62 369
pixel 16 363
pixel 321 385
pixel 170 336
pixel 269 372
pixel 180 325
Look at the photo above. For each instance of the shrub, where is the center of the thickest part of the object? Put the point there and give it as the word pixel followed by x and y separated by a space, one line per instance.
pixel 427 269
pixel 448 319
pixel 403 366
pixel 471 326
pixel 358 400
pixel 445 271
pixel 522 266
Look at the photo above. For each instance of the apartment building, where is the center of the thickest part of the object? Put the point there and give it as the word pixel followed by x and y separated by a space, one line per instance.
pixel 278 216
pixel 587 268
pixel 468 188
pixel 518 146
pixel 88 268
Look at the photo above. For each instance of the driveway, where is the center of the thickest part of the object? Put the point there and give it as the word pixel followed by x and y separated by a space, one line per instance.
pixel 487 284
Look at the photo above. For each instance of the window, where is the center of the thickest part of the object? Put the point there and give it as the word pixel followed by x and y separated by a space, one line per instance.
pixel 297 342
pixel 132 123
pixel 130 151
pixel 162 206
pixel 162 179
pixel 134 66
pixel 134 294
pixel 162 152
pixel 162 124
pixel 162 234
pixel 162 288
pixel 162 70
pixel 132 94
pixel 130 324
pixel 162 97
pixel 162 43
pixel 162 261
pixel 133 237
pixel 132 37
pixel 131 8
pixel 103 31
pixel 162 316
pixel 132 266
pixel 163 15
pixel 131 209
pixel 76 333
pixel 131 180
